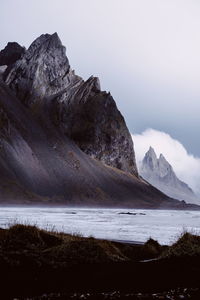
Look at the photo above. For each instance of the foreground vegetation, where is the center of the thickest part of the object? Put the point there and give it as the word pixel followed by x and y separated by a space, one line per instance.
pixel 34 261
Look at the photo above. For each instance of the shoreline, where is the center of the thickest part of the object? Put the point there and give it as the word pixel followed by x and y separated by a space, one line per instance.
pixel 190 207
pixel 129 242
pixel 163 226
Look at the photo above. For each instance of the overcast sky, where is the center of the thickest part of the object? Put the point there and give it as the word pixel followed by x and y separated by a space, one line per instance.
pixel 145 52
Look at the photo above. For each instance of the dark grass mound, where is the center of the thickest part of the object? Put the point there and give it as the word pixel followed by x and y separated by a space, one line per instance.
pixel 60 249
pixel 149 250
pixel 34 261
pixel 25 243
pixel 188 245
pixel 21 237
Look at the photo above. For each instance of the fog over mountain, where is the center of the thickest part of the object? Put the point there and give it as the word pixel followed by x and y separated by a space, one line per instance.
pixel 158 172
pixel 185 165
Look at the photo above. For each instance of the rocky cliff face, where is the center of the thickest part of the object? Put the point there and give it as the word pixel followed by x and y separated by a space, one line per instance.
pixel 41 71
pixel 62 139
pixel 160 174
pixel 86 114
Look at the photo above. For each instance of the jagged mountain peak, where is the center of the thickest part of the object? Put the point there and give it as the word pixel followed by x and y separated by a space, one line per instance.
pixel 151 150
pixel 95 81
pixel 43 70
pixel 163 159
pixel 151 153
pixel 44 82
pixel 160 174
pixel 151 159
pixel 162 156
pixel 158 164
pixel 43 38
pixel 164 167
pixel 46 42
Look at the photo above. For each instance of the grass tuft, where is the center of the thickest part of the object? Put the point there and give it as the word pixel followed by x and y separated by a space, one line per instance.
pixel 188 245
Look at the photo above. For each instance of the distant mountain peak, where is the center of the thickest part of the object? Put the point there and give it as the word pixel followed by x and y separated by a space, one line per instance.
pixel 161 156
pixel 151 149
pixel 160 174
pixel 151 152
pixel 151 159
pixel 163 160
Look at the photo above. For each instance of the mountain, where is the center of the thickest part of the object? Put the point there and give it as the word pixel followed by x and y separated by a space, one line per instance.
pixel 160 174
pixel 42 79
pixel 62 139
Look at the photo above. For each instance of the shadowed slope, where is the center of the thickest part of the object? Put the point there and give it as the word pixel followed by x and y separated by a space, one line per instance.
pixel 38 160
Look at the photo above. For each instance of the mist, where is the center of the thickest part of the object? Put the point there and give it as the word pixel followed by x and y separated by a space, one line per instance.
pixel 185 165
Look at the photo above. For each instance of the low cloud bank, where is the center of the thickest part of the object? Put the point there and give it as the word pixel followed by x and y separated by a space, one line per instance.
pixel 185 165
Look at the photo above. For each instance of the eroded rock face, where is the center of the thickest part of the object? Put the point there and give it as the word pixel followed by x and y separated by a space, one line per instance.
pixel 90 117
pixel 41 71
pixel 86 114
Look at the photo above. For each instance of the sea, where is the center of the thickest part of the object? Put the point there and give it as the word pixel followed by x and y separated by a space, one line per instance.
pixel 127 225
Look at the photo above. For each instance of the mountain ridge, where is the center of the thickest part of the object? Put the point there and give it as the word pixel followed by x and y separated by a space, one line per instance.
pixel 48 75
pixel 63 140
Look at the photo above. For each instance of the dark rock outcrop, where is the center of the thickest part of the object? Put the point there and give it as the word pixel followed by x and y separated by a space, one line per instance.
pixel 11 53
pixel 160 174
